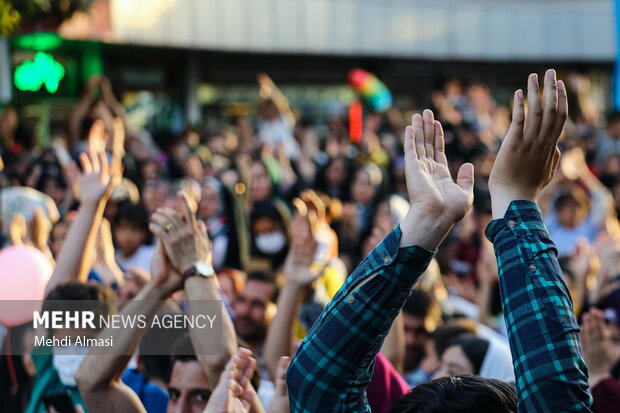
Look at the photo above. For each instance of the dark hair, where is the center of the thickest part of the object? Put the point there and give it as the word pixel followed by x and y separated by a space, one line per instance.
pixel 475 348
pixel 459 394
pixel 99 298
pixel 183 350
pixel 418 304
pixel 446 334
pixel 133 215
pixel 564 200
pixel 266 210
pixel 267 278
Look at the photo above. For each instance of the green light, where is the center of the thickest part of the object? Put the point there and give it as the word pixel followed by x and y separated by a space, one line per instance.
pixel 37 41
pixel 43 70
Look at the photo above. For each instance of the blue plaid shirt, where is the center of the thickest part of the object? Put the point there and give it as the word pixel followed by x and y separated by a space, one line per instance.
pixel 551 375
pixel 333 365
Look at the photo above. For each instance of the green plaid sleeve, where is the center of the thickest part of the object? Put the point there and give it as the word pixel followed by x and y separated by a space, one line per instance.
pixel 551 375
pixel 333 365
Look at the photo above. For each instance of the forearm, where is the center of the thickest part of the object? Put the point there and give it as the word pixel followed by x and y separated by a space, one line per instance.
pixel 207 289
pixel 394 345
pixel 280 335
pixel 75 257
pixel 102 370
pixel 350 331
pixel 542 329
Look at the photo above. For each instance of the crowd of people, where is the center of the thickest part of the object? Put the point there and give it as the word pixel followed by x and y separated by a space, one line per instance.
pixel 438 264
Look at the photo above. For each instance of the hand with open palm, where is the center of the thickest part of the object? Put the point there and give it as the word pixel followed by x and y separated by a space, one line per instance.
pixel 437 201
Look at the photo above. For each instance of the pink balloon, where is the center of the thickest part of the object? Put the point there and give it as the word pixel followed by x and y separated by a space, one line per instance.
pixel 24 273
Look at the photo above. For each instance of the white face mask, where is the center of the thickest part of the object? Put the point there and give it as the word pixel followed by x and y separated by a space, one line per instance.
pixel 67 360
pixel 271 242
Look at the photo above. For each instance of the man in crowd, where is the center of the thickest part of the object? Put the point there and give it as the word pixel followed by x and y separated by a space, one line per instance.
pixel 333 365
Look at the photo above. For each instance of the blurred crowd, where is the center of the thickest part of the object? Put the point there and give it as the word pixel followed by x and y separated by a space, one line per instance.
pixel 260 186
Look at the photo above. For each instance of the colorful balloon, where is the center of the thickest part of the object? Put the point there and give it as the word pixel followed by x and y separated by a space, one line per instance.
pixel 24 273
pixel 371 89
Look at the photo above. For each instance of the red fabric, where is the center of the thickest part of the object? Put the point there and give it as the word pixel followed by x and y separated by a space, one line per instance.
pixel 606 396
pixel 386 386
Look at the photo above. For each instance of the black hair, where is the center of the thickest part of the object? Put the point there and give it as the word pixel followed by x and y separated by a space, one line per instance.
pixel 183 350
pixel 266 210
pixel 133 215
pixel 459 394
pixel 267 278
pixel 475 348
pixel 418 304
pixel 97 298
pixel 446 334
pixel 563 200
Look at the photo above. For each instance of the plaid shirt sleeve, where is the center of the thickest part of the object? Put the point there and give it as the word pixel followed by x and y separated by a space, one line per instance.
pixel 551 375
pixel 333 365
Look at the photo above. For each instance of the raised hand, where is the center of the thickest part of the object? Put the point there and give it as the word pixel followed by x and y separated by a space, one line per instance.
pixel 96 182
pixel 185 240
pixel 595 340
pixel 302 251
pixel 163 274
pixel 279 401
pixel 437 201
pixel 529 154
pixel 234 393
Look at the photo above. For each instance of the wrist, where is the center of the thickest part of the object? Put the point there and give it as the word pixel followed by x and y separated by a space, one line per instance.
pixel 501 199
pixel 426 230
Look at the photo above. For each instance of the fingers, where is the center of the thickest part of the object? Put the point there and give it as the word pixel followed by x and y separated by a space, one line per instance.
pixel 533 118
pixel 518 115
pixel 562 114
pixel 172 216
pixel 418 128
pixel 550 109
pixel 409 145
pixel 188 213
pixel 281 387
pixel 440 154
pixel 103 164
pixel 86 165
pixel 465 178
pixel 429 133
pixel 94 160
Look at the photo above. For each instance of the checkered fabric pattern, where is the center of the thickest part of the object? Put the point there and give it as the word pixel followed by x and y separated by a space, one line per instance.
pixel 551 375
pixel 333 365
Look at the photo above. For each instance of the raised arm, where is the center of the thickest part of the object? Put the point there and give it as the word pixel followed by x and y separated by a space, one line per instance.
pixel 99 375
pixel 332 368
pixel 187 246
pixel 95 184
pixel 299 275
pixel 543 333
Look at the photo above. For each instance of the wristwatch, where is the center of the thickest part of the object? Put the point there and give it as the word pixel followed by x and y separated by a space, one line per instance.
pixel 200 268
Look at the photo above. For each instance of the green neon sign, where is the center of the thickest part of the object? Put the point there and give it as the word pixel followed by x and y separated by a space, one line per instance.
pixel 31 75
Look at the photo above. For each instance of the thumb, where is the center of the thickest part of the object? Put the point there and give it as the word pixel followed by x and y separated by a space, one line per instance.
pixel 465 177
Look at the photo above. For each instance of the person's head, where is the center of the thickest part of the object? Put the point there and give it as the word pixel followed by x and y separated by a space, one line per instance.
pixel 232 282
pixel 130 227
pixel 59 233
pixel 255 307
pixel 464 355
pixel 440 339
pixel 268 229
pixel 260 182
pixel 210 200
pixel 189 388
pixel 569 210
pixel 93 297
pixel 336 172
pixel 419 317
pixel 459 394
pixel 366 184
pixel 613 124
pixel 54 185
